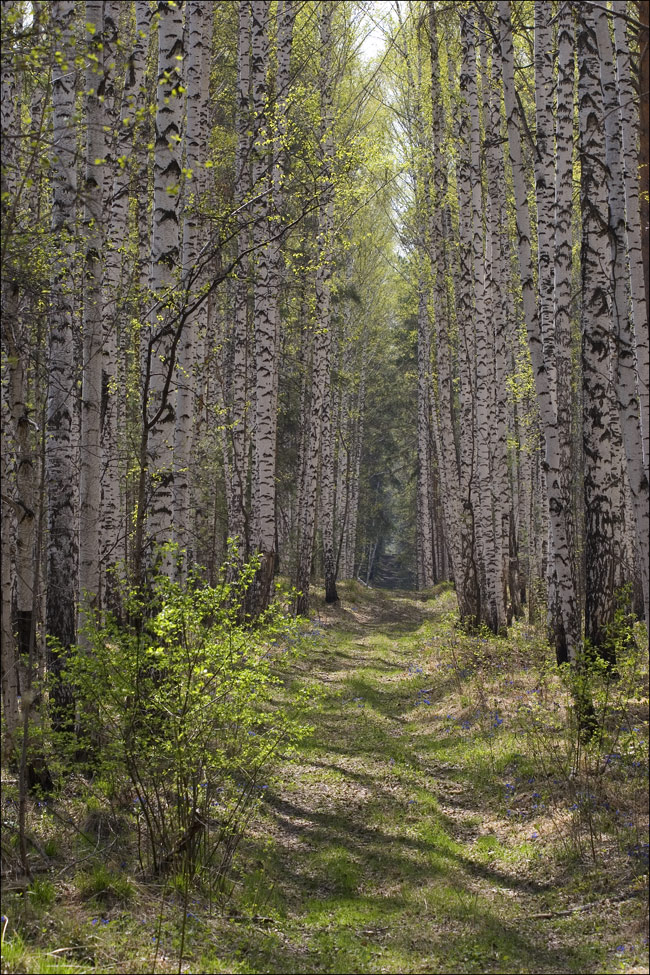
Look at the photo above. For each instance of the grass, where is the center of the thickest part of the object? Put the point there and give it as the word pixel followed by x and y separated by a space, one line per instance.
pixel 442 816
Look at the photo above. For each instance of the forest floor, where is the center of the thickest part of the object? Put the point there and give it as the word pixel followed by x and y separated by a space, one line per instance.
pixel 439 818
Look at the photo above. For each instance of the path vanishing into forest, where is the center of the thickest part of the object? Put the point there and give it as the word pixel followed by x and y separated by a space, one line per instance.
pixel 387 846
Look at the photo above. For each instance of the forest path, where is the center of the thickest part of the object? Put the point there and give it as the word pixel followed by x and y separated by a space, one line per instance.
pixel 385 846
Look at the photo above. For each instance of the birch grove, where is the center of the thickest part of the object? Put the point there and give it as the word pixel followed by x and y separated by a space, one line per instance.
pixel 272 300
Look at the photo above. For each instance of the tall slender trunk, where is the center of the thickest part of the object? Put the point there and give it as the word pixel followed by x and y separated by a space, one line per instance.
pixel 442 404
pixel 320 396
pixel 636 227
pixel 598 412
pixel 239 420
pixel 60 458
pixel 18 476
pixel 113 528
pixel 565 614
pixel 567 639
pixel 264 445
pixel 500 482
pixel 468 580
pixel 484 353
pixel 323 301
pixel 625 373
pixel 424 529
pixel 194 276
pixel 164 274
pixel 91 389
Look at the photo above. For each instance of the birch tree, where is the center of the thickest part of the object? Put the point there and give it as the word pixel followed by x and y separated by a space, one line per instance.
pixel 320 396
pixel 238 431
pixel 60 455
pixel 197 80
pixel 598 414
pixel 158 409
pixel 93 190
pixel 265 325
pixel 115 276
pixel 567 639
pixel 623 331
pixel 633 228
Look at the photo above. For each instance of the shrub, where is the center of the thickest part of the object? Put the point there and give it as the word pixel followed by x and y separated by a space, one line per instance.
pixel 180 705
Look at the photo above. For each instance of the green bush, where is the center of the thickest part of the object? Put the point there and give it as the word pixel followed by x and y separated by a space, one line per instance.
pixel 182 705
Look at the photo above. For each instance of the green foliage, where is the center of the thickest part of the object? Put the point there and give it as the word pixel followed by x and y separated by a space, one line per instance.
pixel 179 716
pixel 41 893
pixel 105 885
pixel 17 956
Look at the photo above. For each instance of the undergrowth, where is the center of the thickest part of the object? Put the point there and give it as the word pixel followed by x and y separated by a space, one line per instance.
pixel 444 814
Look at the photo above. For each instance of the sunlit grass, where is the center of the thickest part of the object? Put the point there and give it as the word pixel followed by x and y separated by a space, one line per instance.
pixel 441 816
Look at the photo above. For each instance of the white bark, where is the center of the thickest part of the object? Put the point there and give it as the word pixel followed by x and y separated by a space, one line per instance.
pixel 627 101
pixel 442 405
pixel 265 325
pixel 565 615
pixel 60 459
pixel 320 393
pixel 239 420
pixel 16 509
pixel 113 399
pixel 197 81
pixel 490 600
pixel 164 269
pixel 598 411
pixel 324 340
pixel 625 373
pixel 498 246
pixel 567 639
pixel 424 530
pixel 90 446
pixel 468 581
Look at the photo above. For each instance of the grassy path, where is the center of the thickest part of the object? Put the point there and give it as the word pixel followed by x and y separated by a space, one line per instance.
pixel 387 848
pixel 438 819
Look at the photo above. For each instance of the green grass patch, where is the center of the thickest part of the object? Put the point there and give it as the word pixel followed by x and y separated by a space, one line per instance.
pixel 442 815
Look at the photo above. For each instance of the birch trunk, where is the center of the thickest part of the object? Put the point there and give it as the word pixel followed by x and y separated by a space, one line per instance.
pixel 91 389
pixel 625 373
pixel 163 275
pixel 484 351
pixel 424 531
pixel 598 413
pixel 468 583
pixel 634 230
pixel 323 301
pixel 264 447
pixel 113 529
pixel 286 14
pixel 19 478
pixel 60 460
pixel 9 648
pixel 355 450
pixel 197 82
pixel 442 405
pixel 320 406
pixel 565 614
pixel 239 433
pixel 501 491
pixel 567 640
